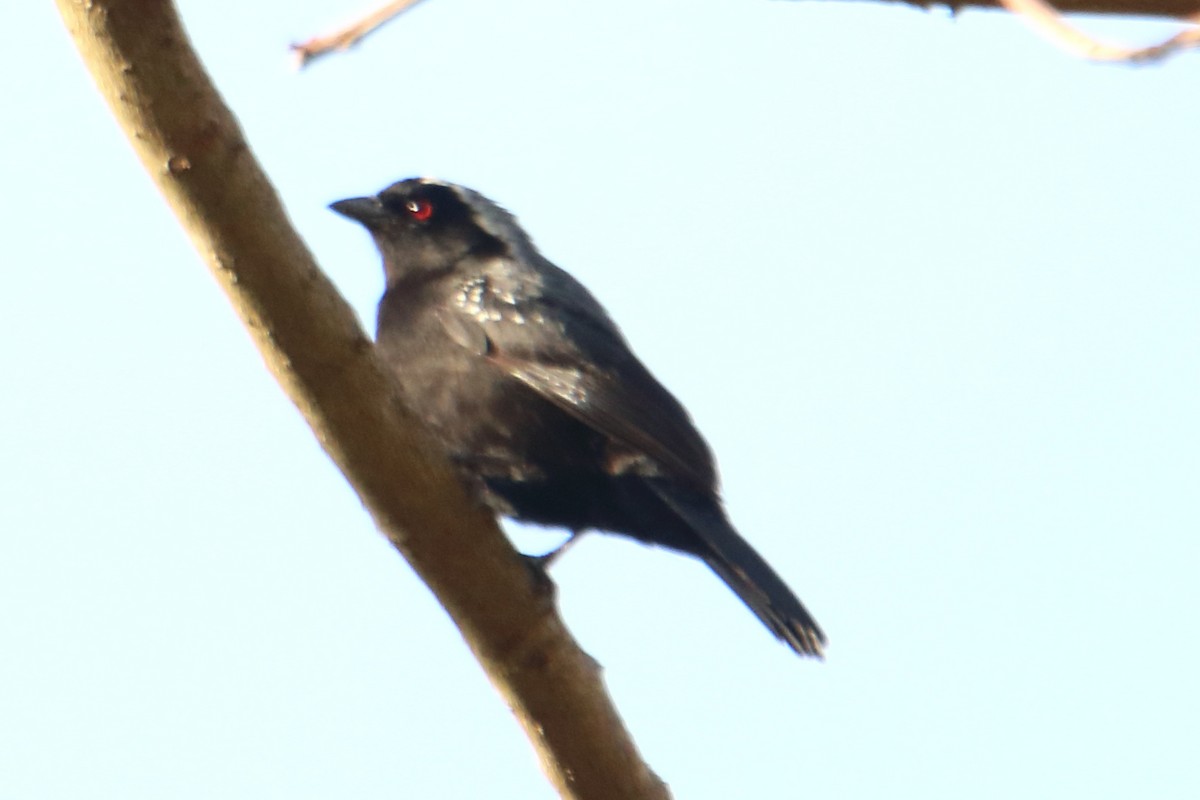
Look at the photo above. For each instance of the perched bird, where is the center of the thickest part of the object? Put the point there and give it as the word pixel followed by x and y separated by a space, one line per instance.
pixel 536 396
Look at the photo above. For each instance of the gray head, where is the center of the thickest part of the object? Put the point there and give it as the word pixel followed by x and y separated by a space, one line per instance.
pixel 427 225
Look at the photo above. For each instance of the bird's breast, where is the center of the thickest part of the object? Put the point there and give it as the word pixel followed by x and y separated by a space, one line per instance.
pixel 486 420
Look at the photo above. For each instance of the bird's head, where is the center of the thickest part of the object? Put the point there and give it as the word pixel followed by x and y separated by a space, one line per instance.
pixel 422 225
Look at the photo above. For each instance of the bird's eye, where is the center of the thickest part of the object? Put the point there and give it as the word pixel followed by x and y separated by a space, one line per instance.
pixel 420 210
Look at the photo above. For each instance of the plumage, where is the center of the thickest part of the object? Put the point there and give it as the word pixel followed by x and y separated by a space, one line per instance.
pixel 537 397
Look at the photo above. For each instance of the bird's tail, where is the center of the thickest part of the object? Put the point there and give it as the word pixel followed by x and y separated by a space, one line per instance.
pixel 745 572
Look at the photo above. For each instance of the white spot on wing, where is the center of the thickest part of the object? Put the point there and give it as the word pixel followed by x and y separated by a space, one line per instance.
pixel 495 298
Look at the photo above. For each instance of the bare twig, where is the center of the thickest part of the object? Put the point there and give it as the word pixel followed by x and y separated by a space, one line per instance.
pixel 352 34
pixel 193 148
pixel 1039 13
pixel 1161 9
pixel 1050 22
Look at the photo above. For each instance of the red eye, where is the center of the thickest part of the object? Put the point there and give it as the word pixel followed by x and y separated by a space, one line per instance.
pixel 420 210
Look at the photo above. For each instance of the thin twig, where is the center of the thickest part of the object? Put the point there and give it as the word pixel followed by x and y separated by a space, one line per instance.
pixel 352 34
pixel 1049 21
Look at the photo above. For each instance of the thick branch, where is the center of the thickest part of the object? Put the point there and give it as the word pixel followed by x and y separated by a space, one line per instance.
pixel 193 148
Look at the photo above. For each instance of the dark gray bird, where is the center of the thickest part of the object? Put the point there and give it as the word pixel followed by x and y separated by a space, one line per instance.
pixel 538 399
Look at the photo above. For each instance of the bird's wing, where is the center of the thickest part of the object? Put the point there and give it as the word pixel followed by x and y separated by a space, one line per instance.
pixel 559 342
pixel 632 415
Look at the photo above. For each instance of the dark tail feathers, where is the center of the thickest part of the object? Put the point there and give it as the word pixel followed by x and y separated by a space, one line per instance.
pixel 746 573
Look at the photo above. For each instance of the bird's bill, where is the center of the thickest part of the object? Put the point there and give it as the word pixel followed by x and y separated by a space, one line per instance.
pixel 366 210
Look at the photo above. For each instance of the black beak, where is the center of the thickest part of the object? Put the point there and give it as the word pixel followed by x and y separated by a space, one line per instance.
pixel 365 210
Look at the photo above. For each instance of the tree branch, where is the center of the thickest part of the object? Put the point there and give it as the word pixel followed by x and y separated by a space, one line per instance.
pixel 346 37
pixel 1128 8
pixel 192 146
pixel 1041 14
pixel 1046 19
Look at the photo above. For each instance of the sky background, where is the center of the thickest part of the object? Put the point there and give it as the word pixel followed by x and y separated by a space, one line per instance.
pixel 927 284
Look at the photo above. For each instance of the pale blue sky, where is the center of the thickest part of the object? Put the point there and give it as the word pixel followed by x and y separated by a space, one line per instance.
pixel 928 286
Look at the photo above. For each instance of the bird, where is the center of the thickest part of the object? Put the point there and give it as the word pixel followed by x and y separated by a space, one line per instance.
pixel 537 398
